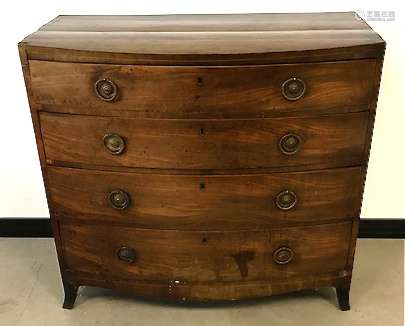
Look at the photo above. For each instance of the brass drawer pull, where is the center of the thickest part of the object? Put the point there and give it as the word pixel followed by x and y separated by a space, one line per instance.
pixel 293 89
pixel 119 199
pixel 106 89
pixel 283 255
pixel 126 254
pixel 289 144
pixel 286 200
pixel 114 144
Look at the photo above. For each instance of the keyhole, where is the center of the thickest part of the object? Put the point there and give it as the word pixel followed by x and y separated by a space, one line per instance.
pixel 202 131
pixel 199 81
pixel 202 185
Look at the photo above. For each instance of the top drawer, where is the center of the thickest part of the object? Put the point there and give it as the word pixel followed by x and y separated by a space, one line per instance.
pixel 202 92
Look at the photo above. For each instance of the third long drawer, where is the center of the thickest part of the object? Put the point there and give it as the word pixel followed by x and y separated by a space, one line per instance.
pixel 217 202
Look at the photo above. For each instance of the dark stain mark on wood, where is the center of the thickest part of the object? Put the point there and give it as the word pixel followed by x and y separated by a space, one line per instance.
pixel 242 259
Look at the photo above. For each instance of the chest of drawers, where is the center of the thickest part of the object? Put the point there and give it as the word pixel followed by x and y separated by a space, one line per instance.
pixel 204 157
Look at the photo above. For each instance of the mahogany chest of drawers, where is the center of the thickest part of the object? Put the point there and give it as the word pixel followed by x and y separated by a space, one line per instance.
pixel 204 157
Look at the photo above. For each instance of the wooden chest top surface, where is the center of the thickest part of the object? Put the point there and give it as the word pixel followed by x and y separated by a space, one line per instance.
pixel 246 38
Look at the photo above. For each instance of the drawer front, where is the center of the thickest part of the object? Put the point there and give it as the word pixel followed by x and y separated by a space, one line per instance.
pixel 202 92
pixel 205 202
pixel 199 256
pixel 205 144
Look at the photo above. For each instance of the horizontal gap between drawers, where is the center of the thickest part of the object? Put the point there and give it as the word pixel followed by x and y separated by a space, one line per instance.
pixel 131 114
pixel 199 172
pixel 201 231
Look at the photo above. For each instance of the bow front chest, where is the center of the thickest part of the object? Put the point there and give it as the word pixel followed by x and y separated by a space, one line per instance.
pixel 204 157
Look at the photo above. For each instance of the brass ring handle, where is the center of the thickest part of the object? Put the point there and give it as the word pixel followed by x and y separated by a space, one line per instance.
pixel 114 143
pixel 126 254
pixel 283 255
pixel 289 144
pixel 119 199
pixel 293 89
pixel 286 200
pixel 106 89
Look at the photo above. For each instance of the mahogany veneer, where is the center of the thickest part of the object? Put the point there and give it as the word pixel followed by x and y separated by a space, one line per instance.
pixel 204 157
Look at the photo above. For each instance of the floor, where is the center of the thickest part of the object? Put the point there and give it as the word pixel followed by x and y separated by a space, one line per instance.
pixel 31 294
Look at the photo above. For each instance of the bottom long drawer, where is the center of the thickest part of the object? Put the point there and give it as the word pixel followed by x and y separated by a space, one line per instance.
pixel 119 253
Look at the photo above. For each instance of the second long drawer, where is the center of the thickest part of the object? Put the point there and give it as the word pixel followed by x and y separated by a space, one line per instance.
pixel 326 141
pixel 205 201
